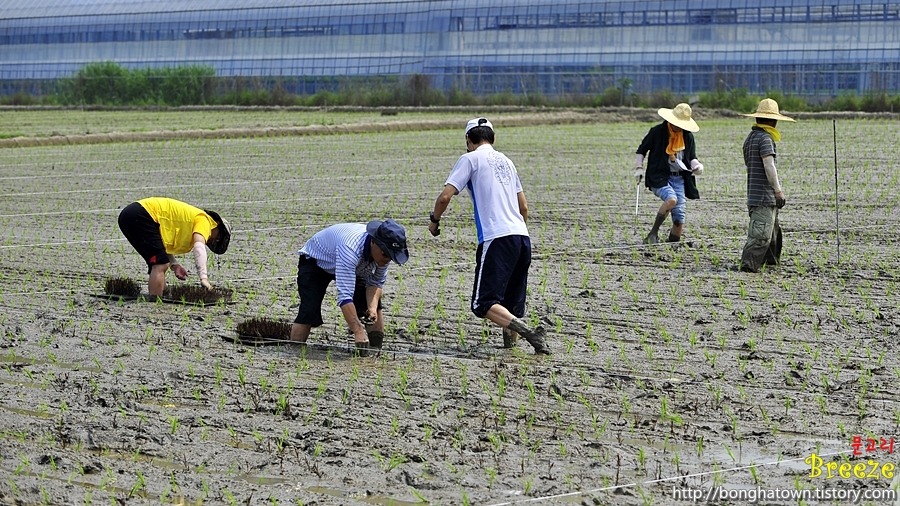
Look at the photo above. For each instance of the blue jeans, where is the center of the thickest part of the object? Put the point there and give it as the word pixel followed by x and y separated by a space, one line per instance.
pixel 674 190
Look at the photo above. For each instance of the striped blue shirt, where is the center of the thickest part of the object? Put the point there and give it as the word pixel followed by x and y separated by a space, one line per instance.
pixel 342 250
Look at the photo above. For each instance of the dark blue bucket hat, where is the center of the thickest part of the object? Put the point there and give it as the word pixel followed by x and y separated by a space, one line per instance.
pixel 390 236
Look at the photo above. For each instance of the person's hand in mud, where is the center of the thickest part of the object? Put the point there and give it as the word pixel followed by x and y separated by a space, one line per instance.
pixel 206 284
pixel 180 272
pixel 370 317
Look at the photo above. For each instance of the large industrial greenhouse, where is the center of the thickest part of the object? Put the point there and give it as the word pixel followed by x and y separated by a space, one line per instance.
pixel 803 47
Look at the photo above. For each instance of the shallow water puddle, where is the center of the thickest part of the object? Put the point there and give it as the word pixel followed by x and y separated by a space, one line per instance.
pixel 113 490
pixel 262 480
pixel 749 454
pixel 26 412
pixel 26 384
pixel 372 499
pixel 12 358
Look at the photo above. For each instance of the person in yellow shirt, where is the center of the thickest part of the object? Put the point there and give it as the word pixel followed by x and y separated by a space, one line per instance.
pixel 160 228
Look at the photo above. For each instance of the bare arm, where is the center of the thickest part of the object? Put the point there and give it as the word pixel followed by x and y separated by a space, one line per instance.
pixel 356 326
pixel 772 173
pixel 523 206
pixel 443 200
pixel 440 205
pixel 373 295
pixel 177 268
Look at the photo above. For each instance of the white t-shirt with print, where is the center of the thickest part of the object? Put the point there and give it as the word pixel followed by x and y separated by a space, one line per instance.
pixel 493 184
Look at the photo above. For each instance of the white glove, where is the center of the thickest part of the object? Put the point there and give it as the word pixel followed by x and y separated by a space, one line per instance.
pixel 639 173
pixel 696 167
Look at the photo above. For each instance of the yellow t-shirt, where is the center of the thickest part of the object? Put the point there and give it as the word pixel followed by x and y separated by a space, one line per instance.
pixel 178 222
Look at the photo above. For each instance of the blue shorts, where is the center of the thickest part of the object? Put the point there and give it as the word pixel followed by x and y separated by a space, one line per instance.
pixel 501 274
pixel 674 190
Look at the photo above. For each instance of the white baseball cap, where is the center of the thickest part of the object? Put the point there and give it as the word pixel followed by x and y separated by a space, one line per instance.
pixel 477 122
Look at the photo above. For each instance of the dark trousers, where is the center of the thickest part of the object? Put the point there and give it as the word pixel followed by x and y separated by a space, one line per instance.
pixel 501 274
pixel 312 281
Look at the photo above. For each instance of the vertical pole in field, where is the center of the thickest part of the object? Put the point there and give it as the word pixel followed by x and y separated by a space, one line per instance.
pixel 637 200
pixel 837 216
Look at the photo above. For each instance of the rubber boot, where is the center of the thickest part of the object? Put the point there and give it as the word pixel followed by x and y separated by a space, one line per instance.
pixel 509 338
pixel 361 350
pixel 376 339
pixel 673 237
pixel 535 337
pixel 653 236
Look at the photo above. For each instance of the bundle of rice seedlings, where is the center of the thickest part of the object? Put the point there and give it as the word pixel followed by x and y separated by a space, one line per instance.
pixel 196 294
pixel 123 287
pixel 264 328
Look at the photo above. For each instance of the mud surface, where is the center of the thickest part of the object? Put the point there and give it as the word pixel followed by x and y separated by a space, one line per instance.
pixel 670 369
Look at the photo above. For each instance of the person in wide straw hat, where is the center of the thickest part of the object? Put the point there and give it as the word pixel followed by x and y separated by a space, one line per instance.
pixel 672 150
pixel 764 193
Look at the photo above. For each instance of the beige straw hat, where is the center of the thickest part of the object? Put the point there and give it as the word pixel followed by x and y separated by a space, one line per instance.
pixel 768 108
pixel 680 116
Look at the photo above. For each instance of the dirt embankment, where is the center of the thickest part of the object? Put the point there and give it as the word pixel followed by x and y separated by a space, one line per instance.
pixel 512 116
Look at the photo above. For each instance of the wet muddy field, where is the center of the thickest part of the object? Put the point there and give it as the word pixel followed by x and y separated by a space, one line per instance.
pixel 670 369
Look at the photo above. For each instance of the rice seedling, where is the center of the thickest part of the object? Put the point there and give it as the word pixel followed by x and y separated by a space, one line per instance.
pixel 197 294
pixel 264 328
pixel 606 383
pixel 125 287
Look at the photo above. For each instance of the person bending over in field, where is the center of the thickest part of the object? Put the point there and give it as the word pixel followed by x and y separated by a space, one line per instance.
pixel 503 255
pixel 355 256
pixel 160 228
pixel 671 148
pixel 764 194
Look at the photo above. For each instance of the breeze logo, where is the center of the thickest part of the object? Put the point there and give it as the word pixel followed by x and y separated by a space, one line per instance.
pixel 872 469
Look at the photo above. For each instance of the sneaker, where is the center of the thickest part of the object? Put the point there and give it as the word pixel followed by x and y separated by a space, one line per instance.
pixel 536 338
pixel 509 338
pixel 651 238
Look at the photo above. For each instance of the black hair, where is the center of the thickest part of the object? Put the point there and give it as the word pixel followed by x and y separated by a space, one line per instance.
pixel 767 121
pixel 219 245
pixel 480 134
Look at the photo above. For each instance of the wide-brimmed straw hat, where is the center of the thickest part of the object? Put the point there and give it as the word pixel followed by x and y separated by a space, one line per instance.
pixel 768 108
pixel 680 116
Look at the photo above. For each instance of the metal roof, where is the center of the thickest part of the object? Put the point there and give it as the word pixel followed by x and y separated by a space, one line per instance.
pixel 12 9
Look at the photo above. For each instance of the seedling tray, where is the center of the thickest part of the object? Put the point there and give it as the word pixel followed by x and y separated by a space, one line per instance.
pixel 127 289
pixel 261 332
pixel 146 297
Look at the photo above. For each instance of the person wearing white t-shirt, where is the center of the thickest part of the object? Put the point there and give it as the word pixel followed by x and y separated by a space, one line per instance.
pixel 504 247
